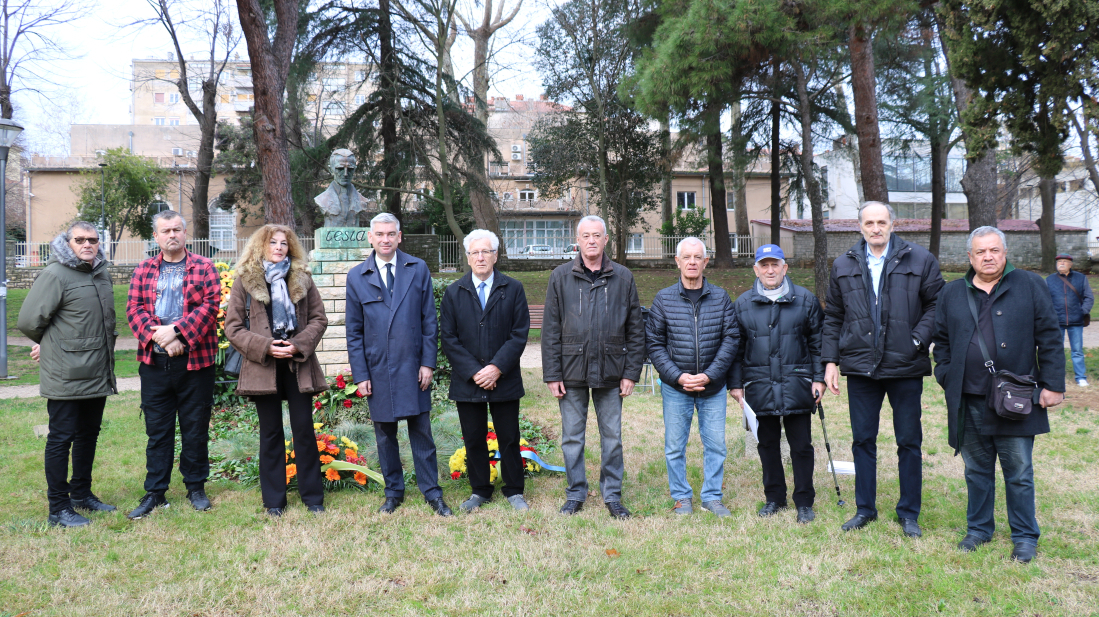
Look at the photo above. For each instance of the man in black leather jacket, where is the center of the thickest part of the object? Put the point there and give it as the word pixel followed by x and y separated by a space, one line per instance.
pixel 692 336
pixel 878 323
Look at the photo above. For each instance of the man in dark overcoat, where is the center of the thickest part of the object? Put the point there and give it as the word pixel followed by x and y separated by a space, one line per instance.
pixel 392 342
pixel 483 325
pixel 1019 329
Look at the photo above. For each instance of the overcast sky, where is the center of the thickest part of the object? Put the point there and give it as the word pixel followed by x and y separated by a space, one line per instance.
pixel 94 86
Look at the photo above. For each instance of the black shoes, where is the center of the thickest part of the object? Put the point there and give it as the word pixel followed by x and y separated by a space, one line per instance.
pixel 440 507
pixel 970 543
pixel 274 512
pixel 148 503
pixel 617 510
pixel 770 508
pixel 198 499
pixel 92 504
pixel 858 522
pixel 390 505
pixel 67 518
pixel 572 507
pixel 317 509
pixel 806 515
pixel 1024 552
pixel 910 527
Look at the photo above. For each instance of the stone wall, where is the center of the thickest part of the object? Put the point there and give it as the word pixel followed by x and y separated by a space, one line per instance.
pixel 1024 248
pixel 22 278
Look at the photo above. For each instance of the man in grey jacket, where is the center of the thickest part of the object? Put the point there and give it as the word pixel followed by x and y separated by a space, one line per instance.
pixel 692 338
pixel 69 314
pixel 593 342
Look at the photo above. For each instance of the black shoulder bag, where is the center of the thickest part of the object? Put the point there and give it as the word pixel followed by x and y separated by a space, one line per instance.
pixel 233 358
pixel 1009 395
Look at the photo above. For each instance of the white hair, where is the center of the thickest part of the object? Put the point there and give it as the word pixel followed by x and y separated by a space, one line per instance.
pixel 889 208
pixel 481 234
pixel 689 240
pixel 591 218
pixel 984 231
pixel 385 217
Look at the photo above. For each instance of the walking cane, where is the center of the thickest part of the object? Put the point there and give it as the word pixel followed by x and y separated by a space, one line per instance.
pixel 828 447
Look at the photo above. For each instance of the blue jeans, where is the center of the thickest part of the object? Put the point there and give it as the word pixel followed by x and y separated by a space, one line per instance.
pixel 1076 343
pixel 865 396
pixel 679 408
pixel 1017 461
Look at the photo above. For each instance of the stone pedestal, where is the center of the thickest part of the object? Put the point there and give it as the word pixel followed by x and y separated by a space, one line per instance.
pixel 338 249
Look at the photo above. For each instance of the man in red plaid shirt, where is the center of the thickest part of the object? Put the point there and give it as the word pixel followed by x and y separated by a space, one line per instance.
pixel 172 309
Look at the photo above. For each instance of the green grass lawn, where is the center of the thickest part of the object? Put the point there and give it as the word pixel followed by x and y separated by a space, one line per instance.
pixel 352 561
pixel 21 365
pixel 17 296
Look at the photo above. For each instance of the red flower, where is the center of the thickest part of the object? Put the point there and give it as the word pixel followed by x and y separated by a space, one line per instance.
pixel 340 383
pixel 358 393
pixel 490 435
pixel 347 403
pixel 492 462
pixel 317 404
pixel 526 449
pixel 454 475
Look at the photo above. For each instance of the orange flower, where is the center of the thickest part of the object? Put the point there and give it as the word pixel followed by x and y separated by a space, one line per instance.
pixel 287 455
pixel 360 477
pixel 325 459
pixel 321 445
pixel 292 454
pixel 332 449
pixel 332 474
pixel 291 471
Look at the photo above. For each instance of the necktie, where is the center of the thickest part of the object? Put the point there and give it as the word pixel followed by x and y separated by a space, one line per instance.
pixel 389 278
pixel 481 294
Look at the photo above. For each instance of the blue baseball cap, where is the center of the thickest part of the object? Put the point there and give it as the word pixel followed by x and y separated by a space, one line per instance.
pixel 769 251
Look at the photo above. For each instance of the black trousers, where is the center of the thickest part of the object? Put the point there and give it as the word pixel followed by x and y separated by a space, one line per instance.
pixel 75 424
pixel 168 391
pixel 505 421
pixel 424 457
pixel 799 436
pixel 272 442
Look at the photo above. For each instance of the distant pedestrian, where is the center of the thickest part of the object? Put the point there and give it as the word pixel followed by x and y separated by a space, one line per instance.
pixel 779 372
pixel 483 326
pixel 593 342
pixel 277 332
pixel 1016 324
pixel 1072 301
pixel 172 309
pixel 692 338
pixel 69 314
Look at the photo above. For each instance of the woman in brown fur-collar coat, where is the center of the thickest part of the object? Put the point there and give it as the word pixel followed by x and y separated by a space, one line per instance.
pixel 277 335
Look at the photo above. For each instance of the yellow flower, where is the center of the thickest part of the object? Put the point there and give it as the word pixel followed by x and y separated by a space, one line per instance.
pixel 523 442
pixel 317 426
pixel 223 345
pixel 287 443
pixel 491 427
pixel 492 473
pixel 493 445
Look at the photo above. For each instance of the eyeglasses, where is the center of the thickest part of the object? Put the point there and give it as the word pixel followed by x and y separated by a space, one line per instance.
pixel 88 240
pixel 481 253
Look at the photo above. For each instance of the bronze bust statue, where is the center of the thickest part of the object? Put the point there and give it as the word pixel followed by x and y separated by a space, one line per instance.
pixel 341 203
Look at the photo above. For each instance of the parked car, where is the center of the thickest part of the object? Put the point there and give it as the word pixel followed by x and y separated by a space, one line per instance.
pixel 536 251
pixel 572 250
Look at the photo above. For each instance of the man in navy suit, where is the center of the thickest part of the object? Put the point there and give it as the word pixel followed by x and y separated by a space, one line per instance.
pixel 392 342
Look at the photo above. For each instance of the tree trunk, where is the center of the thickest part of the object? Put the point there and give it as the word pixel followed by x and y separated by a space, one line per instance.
pixel 938 193
pixel 723 257
pixel 387 83
pixel 1046 227
pixel 1085 149
pixel 866 115
pixel 812 185
pixel 667 214
pixel 270 64
pixel 776 186
pixel 200 196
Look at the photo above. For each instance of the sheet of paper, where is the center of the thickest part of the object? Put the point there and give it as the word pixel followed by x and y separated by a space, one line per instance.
pixel 844 468
pixel 750 419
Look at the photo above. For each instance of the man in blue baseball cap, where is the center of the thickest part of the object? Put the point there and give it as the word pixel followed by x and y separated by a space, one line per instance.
pixel 779 372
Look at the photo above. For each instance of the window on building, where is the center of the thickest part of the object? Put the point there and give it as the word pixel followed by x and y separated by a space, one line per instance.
pixel 158 97
pixel 685 200
pixel 223 229
pixel 526 195
pixel 161 73
pixel 173 97
pixel 519 234
pixel 225 98
pixel 312 98
pixel 636 244
pixel 177 151
pixel 173 121
pixel 360 76
pixel 334 83
pixel 158 121
pixel 334 108
pixel 360 99
pixel 174 74
pixel 730 199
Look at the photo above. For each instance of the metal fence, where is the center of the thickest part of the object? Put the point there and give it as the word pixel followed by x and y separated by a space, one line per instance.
pixel 133 252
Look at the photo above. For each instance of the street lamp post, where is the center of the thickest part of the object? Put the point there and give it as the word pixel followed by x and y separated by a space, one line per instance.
pixel 103 207
pixel 8 132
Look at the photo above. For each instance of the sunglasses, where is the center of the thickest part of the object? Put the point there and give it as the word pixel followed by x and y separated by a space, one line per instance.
pixel 92 241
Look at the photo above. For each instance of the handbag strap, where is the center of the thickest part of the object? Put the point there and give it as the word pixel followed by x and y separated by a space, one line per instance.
pixel 1070 286
pixel 980 339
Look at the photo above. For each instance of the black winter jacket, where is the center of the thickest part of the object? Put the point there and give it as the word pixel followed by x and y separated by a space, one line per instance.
pixel 472 339
pixel 592 334
pixel 1028 339
pixel 779 356
pixel 683 337
pixel 910 283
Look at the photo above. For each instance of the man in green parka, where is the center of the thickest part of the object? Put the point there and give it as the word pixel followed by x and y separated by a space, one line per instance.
pixel 69 314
